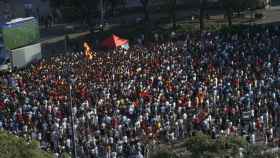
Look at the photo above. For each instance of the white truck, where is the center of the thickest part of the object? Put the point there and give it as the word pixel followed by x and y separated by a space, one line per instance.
pixel 21 41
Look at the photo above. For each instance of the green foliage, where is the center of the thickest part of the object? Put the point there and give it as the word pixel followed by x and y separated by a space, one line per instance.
pixel 252 4
pixel 170 7
pixel 56 3
pixel 65 155
pixel 232 29
pixel 73 10
pixel 14 147
pixel 184 28
pixel 231 6
pixel 202 146
pixel 164 154
pixel 260 151
pixel 71 13
pixel 236 142
pixel 115 3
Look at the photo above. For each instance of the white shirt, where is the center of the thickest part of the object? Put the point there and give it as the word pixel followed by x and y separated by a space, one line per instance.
pixel 34 135
pixel 68 143
pixel 185 116
pixel 253 138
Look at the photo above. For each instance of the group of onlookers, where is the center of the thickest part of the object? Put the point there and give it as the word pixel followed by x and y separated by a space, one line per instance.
pixel 123 100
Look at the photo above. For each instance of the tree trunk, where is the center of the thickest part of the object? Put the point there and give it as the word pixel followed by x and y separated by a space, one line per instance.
pixel 201 16
pixel 174 20
pixel 239 12
pixel 145 4
pixel 112 9
pixel 229 17
pixel 123 5
pixel 146 12
pixel 174 15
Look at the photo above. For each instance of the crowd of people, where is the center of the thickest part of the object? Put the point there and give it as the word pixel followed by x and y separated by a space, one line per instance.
pixel 122 100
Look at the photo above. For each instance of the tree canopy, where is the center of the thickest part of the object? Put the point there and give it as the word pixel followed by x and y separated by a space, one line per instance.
pixel 202 146
pixel 15 147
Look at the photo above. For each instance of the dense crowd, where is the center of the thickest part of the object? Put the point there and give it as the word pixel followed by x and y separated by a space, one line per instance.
pixel 122 100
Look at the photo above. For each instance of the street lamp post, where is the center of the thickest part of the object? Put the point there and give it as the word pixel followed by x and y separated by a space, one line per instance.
pixel 74 155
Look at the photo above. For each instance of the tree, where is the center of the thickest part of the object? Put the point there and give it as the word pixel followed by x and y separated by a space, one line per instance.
pixel 145 7
pixel 56 3
pixel 87 9
pixel 14 147
pixel 259 151
pixel 202 146
pixel 114 4
pixel 202 14
pixel 65 155
pixel 252 5
pixel 123 3
pixel 164 154
pixel 230 146
pixel 171 9
pixel 77 9
pixel 228 6
pixel 240 5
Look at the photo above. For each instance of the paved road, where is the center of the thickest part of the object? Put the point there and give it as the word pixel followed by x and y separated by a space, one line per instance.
pixel 272 15
pixel 62 37
pixel 58 32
